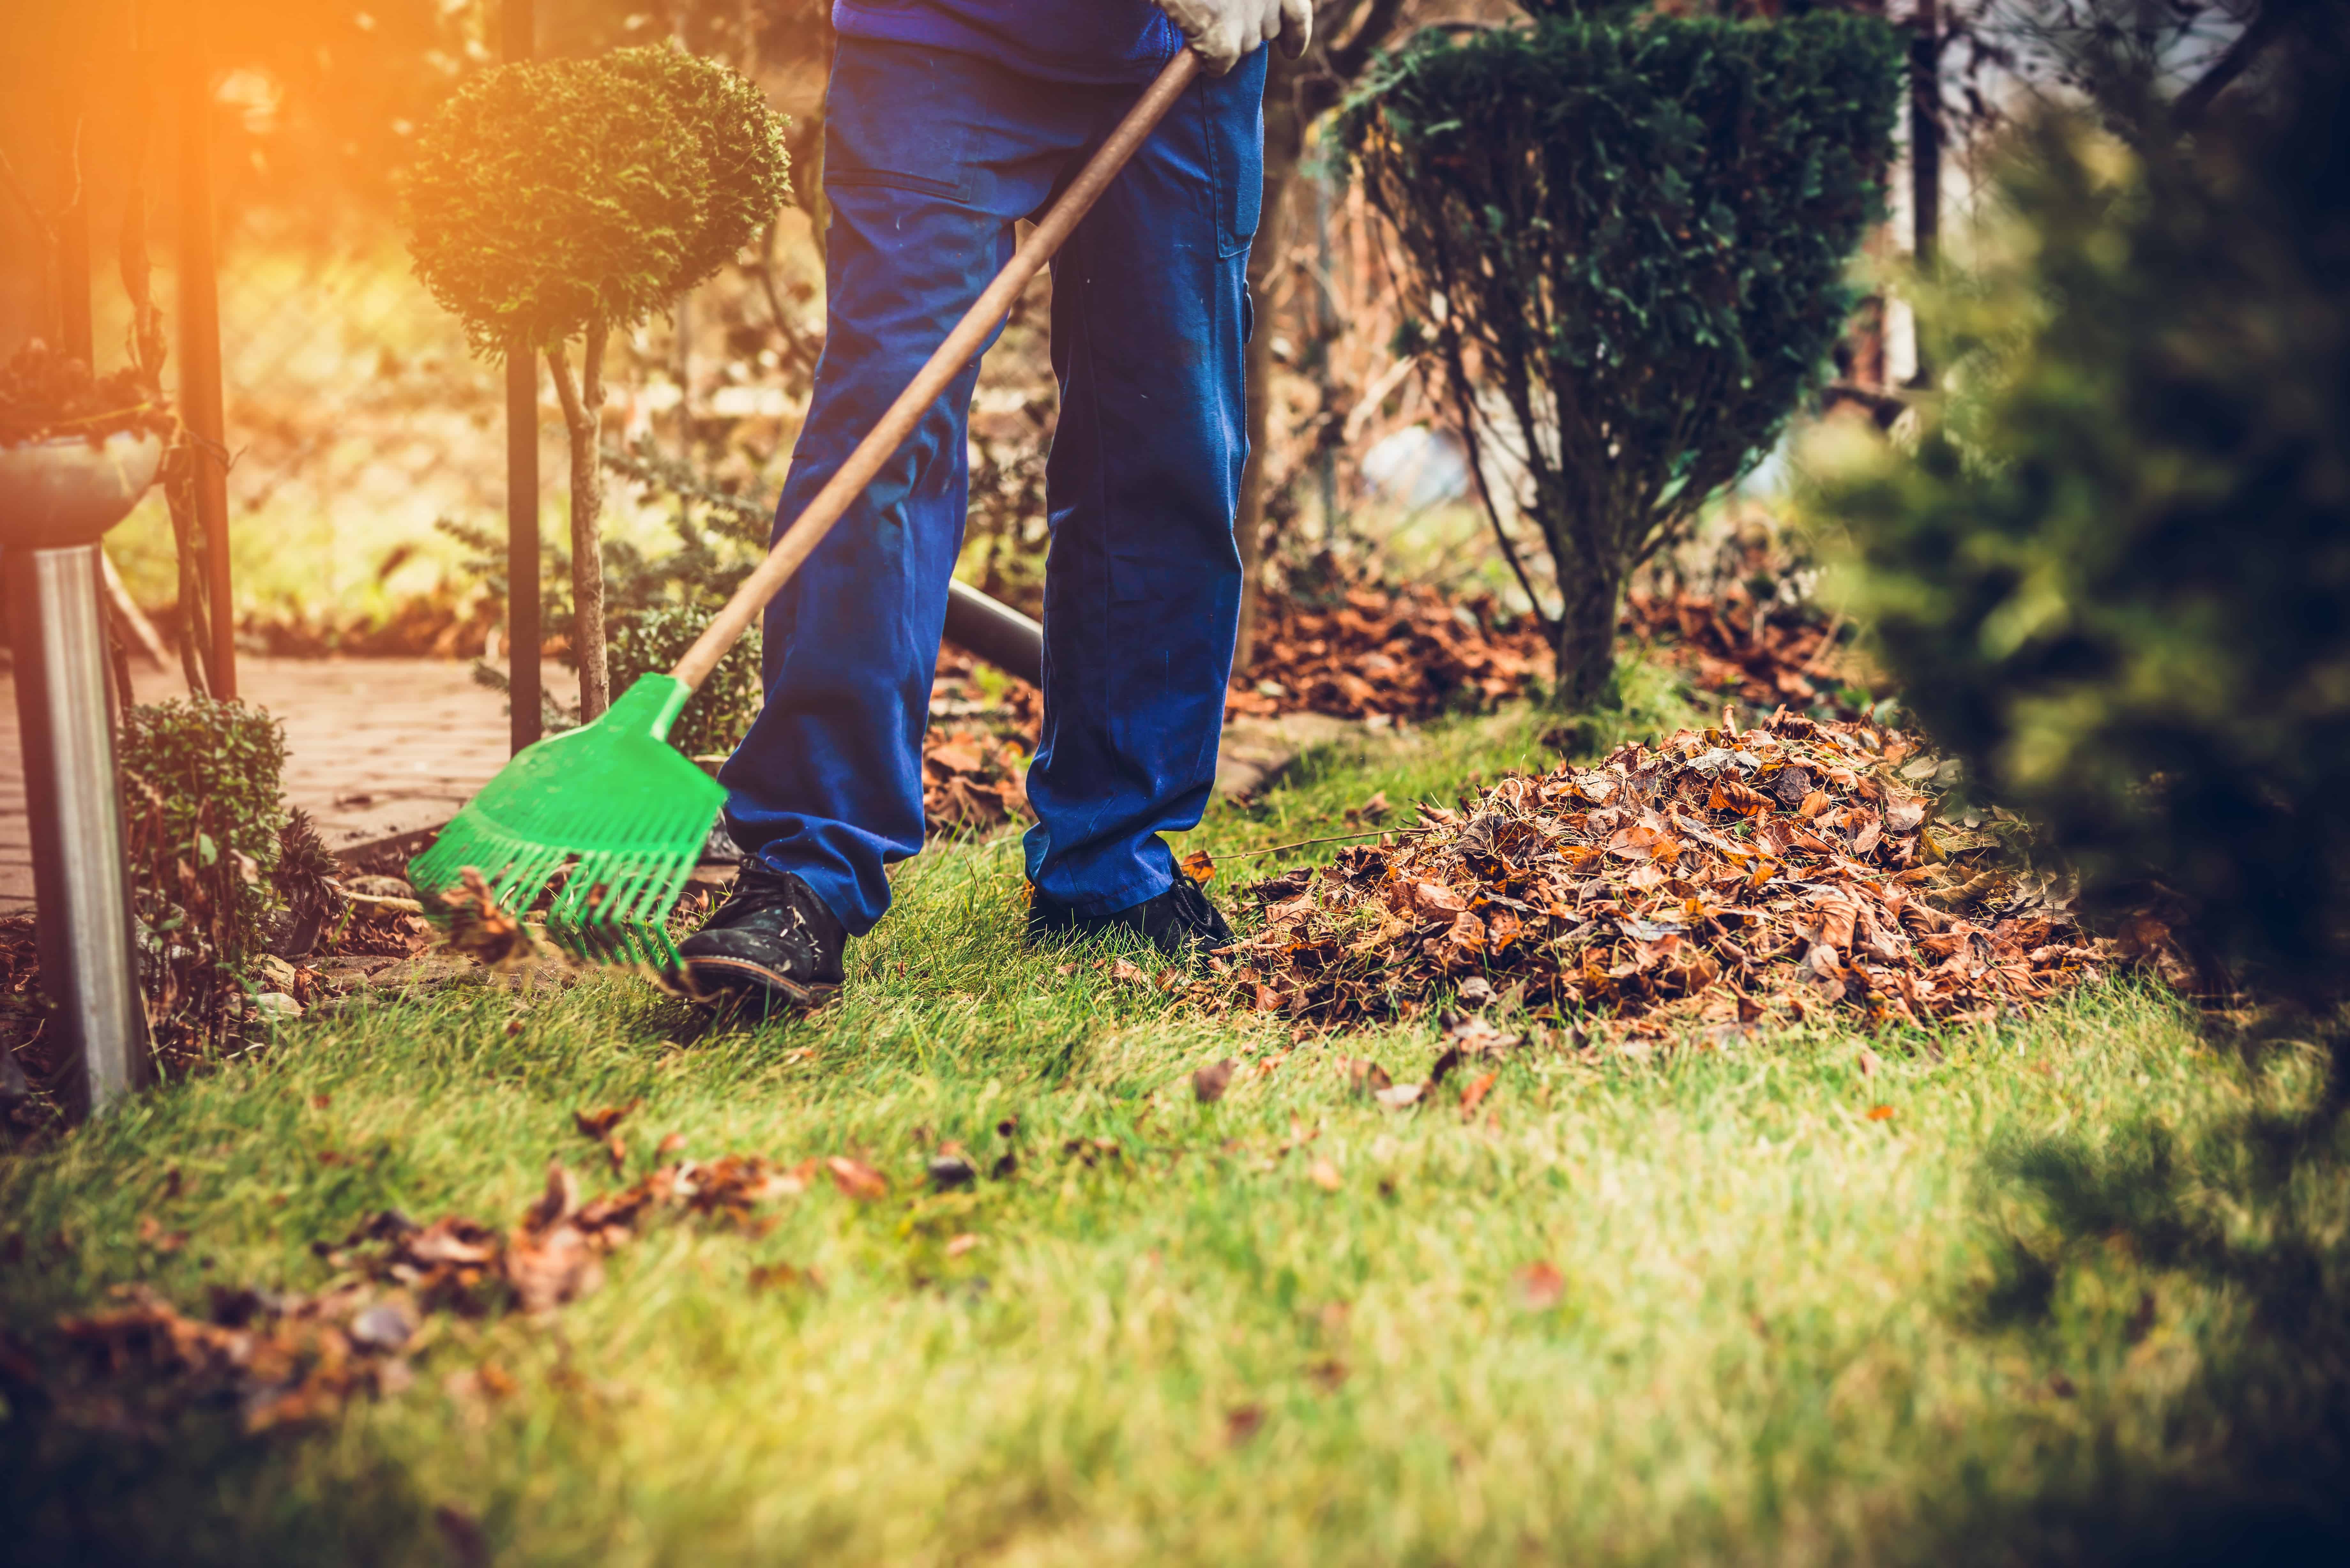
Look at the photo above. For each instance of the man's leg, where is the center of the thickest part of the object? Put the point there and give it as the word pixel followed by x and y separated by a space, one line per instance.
pixel 1142 591
pixel 929 157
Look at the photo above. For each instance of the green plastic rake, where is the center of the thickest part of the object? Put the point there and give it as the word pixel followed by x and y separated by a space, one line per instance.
pixel 612 809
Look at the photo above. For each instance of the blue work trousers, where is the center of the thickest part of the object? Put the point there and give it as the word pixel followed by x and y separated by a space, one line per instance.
pixel 929 158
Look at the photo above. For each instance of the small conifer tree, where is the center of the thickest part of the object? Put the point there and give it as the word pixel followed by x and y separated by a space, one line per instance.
pixel 1630 238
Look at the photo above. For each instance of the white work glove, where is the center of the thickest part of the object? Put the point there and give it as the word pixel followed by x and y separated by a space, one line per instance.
pixel 1221 32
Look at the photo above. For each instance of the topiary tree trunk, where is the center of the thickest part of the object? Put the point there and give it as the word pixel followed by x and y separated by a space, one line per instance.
pixel 583 403
pixel 1632 242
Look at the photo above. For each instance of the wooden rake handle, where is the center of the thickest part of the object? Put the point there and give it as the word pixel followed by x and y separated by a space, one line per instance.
pixel 808 529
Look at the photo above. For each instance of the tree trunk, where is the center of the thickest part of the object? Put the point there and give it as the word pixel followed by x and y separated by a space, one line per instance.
pixel 1925 153
pixel 1248 527
pixel 583 403
pixel 1586 630
pixel 1297 92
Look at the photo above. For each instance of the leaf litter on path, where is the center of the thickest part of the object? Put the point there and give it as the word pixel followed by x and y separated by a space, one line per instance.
pixel 1788 871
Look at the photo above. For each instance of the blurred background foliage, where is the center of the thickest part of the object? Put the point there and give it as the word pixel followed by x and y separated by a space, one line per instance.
pixel 2112 573
pixel 358 421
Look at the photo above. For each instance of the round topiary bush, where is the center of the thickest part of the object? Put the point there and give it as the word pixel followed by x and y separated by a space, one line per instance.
pixel 555 200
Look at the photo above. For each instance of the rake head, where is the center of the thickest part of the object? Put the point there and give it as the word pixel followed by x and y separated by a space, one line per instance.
pixel 612 808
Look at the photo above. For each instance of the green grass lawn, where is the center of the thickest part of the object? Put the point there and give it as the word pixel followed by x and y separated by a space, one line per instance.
pixel 1992 1320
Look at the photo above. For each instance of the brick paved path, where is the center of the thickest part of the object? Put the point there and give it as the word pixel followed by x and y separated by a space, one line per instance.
pixel 375 747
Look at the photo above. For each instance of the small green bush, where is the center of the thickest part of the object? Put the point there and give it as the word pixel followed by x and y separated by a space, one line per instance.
pixel 720 712
pixel 2117 579
pixel 205 811
pixel 1632 241
pixel 214 768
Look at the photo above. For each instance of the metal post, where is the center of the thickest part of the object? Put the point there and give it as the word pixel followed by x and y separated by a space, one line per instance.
pixel 80 876
pixel 200 345
pixel 524 634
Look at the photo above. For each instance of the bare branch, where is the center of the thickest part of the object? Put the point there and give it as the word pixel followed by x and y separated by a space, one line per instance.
pixel 24 198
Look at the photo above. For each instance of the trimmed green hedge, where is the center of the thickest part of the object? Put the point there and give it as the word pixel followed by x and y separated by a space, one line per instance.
pixel 1631 244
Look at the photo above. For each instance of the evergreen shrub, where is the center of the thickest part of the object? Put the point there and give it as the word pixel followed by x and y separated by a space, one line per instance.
pixel 2116 577
pixel 556 199
pixel 1631 240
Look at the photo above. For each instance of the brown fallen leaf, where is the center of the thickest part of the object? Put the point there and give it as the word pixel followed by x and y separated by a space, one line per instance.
pixel 1364 1077
pixel 558 1201
pixel 153 1234
pixel 1880 1113
pixel 549 1267
pixel 1208 1083
pixel 1400 1096
pixel 961 1244
pixel 1474 1095
pixel 598 1124
pixel 956 756
pixel 487 1382
pixel 856 1179
pixel 786 1276
pixel 669 1144
pixel 1241 1423
pixel 480 929
pixel 1540 1285
pixel 1325 1175
pixel 1200 867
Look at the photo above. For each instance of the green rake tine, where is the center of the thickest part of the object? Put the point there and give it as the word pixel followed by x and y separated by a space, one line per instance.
pixel 609 817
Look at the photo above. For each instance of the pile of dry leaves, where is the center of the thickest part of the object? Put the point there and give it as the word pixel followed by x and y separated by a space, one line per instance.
pixel 1404 653
pixel 282 1360
pixel 1740 622
pixel 1717 877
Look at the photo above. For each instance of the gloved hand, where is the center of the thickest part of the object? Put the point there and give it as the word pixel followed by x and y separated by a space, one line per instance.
pixel 1221 31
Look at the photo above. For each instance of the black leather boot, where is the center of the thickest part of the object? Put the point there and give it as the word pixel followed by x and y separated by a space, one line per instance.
pixel 773 941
